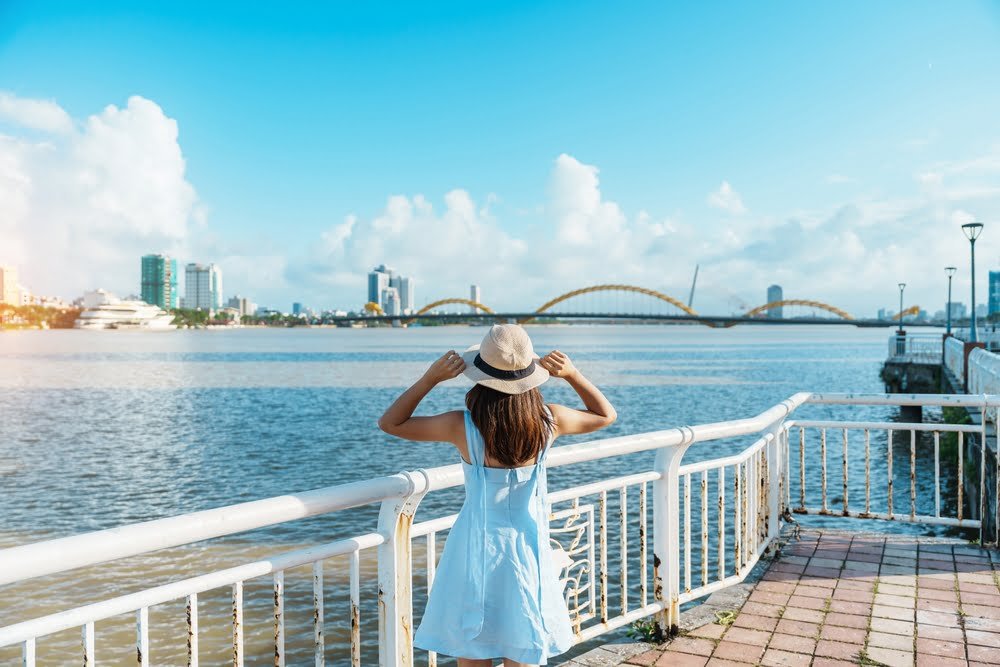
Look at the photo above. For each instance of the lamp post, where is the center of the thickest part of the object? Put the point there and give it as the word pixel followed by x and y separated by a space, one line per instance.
pixel 950 270
pixel 902 286
pixel 972 231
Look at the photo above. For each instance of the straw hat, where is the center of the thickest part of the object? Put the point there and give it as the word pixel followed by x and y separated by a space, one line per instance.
pixel 505 361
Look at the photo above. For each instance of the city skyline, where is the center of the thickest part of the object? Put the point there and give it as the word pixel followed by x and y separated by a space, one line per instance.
pixel 730 146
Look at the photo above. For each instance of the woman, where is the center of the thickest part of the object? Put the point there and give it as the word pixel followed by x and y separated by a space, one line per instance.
pixel 496 593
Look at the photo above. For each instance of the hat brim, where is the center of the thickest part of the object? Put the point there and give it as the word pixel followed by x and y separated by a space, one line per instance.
pixel 537 378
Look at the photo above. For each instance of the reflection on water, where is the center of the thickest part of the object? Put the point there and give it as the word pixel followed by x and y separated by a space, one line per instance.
pixel 104 428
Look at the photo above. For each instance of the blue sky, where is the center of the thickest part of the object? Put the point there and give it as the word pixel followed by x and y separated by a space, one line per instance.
pixel 847 142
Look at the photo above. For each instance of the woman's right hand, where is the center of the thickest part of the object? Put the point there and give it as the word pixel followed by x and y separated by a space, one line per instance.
pixel 449 366
pixel 558 365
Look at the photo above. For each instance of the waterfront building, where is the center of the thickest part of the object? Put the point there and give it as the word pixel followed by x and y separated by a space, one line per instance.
pixel 958 310
pixel 9 287
pixel 203 287
pixel 994 292
pixel 475 295
pixel 775 293
pixel 158 282
pixel 404 285
pixel 390 301
pixel 297 308
pixel 242 305
pixel 378 281
pixel 981 310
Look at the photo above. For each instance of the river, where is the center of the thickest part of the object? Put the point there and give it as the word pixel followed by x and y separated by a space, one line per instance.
pixel 99 429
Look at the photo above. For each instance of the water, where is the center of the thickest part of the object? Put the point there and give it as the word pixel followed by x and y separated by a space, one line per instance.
pixel 98 429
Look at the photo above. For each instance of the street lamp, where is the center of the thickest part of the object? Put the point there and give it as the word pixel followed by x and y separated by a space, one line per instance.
pixel 972 231
pixel 950 270
pixel 902 286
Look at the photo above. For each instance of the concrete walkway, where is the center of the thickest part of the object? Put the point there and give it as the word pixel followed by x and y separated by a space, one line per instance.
pixel 833 599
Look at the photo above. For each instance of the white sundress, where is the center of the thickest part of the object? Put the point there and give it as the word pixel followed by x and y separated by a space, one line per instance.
pixel 497 592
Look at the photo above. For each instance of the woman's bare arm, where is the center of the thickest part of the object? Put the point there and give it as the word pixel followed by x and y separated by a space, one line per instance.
pixel 398 419
pixel 599 413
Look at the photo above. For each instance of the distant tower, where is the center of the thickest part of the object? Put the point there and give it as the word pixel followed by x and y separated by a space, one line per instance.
pixel 158 284
pixel 474 295
pixel 390 301
pixel 10 292
pixel 994 303
pixel 378 281
pixel 774 293
pixel 202 287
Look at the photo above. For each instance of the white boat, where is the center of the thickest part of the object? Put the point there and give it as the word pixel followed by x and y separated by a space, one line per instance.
pixel 106 311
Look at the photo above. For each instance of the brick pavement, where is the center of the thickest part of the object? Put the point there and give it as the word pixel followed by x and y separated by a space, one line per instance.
pixel 833 599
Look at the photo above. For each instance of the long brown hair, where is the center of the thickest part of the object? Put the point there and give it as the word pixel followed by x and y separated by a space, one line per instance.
pixel 515 427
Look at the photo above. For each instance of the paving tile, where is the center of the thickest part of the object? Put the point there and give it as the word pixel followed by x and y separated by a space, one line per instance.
pixel 937 618
pixel 777 658
pixel 769 598
pixel 895 600
pixel 719 662
pixel 806 602
pixel 761 609
pixel 894 589
pixel 799 614
pixel 831 662
pixel 693 645
pixel 984 624
pixel 645 659
pixel 842 634
pixel 708 631
pixel 948 606
pixel 813 591
pixel 737 651
pixel 898 613
pixel 856 584
pixel 826 562
pixel 886 640
pixel 981 611
pixel 793 643
pixel 775 587
pixel 936 594
pixel 953 634
pixel 891 657
pixel 980 589
pixel 847 620
pixel 788 567
pixel 980 598
pixel 838 649
pixel 747 636
pixel 824 572
pixel 947 584
pixel 927 660
pixel 776 575
pixel 844 607
pixel 938 647
pixel 765 623
pixel 892 626
pixel 982 654
pixel 980 638
pixel 670 659
pixel 801 628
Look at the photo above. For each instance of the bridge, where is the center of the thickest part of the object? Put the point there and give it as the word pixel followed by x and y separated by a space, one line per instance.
pixel 625 303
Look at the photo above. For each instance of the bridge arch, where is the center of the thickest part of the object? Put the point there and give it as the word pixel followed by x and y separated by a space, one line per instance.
pixel 609 288
pixel 909 312
pixel 444 302
pixel 799 302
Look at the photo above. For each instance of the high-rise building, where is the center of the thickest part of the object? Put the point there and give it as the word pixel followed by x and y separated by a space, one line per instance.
pixel 202 287
pixel 404 285
pixel 475 295
pixel 243 305
pixel 297 308
pixel 378 280
pixel 774 293
pixel 159 281
pixel 957 310
pixel 994 300
pixel 390 301
pixel 10 289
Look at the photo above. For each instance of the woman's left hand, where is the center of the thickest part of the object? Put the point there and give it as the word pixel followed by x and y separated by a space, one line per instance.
pixel 449 366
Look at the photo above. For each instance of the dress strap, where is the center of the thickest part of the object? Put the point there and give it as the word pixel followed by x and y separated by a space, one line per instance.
pixel 474 442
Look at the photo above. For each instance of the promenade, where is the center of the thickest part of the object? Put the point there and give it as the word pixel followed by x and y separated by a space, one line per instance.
pixel 832 599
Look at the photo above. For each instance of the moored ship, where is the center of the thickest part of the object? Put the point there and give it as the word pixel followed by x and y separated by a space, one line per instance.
pixel 103 310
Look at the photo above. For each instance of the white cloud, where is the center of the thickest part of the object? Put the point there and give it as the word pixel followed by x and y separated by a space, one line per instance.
pixel 81 203
pixel 41 115
pixel 727 199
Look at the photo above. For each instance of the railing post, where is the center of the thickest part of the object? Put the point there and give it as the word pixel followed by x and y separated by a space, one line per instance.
pixel 666 533
pixel 775 473
pixel 395 574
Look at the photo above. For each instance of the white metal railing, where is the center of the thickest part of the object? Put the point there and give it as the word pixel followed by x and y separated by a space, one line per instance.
pixel 954 357
pixel 984 372
pixel 915 348
pixel 711 522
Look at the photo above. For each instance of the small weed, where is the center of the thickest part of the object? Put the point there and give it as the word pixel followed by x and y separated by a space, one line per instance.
pixel 646 630
pixel 725 617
